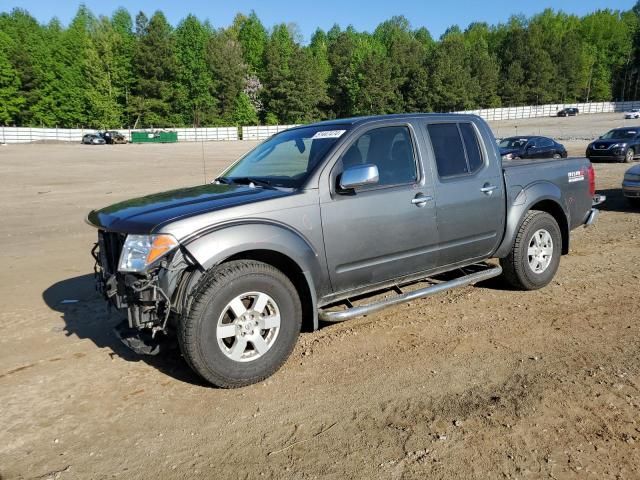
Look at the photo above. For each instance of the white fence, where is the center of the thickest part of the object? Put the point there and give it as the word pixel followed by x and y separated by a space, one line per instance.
pixel 260 133
pixel 514 113
pixel 28 135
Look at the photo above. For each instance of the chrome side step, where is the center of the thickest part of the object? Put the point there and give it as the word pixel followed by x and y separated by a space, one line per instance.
pixel 463 281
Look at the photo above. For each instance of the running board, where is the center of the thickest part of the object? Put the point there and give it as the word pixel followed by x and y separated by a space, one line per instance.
pixel 353 312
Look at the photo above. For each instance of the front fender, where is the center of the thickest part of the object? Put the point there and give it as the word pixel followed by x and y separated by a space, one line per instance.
pixel 522 203
pixel 228 240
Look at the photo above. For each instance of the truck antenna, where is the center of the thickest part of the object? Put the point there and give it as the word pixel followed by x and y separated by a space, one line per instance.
pixel 204 165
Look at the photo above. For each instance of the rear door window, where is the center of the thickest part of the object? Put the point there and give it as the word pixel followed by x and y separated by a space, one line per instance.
pixel 456 148
pixel 472 147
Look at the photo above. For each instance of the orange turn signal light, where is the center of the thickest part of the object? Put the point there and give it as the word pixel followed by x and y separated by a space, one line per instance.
pixel 161 245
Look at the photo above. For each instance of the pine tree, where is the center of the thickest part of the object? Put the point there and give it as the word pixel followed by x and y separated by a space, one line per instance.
pixel 225 61
pixel 154 100
pixel 10 98
pixel 253 38
pixel 195 86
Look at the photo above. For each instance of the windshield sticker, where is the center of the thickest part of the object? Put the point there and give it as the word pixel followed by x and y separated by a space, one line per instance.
pixel 577 176
pixel 328 134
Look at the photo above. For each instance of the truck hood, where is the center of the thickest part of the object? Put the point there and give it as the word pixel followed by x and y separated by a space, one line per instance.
pixel 145 214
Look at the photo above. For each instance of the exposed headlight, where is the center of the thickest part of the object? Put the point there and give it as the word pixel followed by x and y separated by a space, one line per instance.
pixel 141 251
pixel 618 145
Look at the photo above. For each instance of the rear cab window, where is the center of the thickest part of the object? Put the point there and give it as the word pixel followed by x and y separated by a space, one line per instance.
pixel 456 148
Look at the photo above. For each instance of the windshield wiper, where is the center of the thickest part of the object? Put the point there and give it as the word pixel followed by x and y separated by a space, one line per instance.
pixel 245 180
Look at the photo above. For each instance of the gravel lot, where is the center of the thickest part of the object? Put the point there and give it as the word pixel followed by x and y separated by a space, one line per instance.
pixel 480 382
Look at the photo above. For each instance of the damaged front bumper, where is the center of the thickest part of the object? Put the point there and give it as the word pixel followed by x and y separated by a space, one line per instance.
pixel 145 296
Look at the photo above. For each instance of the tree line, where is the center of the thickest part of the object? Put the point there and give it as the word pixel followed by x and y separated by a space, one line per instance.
pixel 120 71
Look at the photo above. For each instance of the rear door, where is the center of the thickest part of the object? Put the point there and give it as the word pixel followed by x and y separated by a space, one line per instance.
pixel 531 149
pixel 469 186
pixel 381 232
pixel 546 147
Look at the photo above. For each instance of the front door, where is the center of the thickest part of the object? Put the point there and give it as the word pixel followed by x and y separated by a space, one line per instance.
pixel 381 232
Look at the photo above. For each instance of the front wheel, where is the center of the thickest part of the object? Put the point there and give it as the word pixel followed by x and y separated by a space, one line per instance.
pixel 535 255
pixel 628 158
pixel 243 324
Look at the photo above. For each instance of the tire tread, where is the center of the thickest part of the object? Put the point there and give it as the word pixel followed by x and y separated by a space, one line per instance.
pixel 203 294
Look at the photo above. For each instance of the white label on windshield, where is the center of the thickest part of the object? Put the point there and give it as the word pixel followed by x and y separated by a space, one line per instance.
pixel 328 134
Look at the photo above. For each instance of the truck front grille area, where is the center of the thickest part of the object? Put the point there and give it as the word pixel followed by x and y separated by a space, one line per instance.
pixel 110 246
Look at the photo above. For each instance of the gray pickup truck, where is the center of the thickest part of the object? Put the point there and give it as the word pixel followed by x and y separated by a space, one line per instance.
pixel 327 222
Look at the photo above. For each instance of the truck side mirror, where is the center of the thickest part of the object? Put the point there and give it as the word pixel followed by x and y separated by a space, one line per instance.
pixel 359 176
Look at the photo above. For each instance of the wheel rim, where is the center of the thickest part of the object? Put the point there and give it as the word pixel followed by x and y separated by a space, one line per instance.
pixel 540 251
pixel 556 156
pixel 248 326
pixel 629 155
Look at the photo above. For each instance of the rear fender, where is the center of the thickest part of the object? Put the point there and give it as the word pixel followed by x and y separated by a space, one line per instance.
pixel 544 196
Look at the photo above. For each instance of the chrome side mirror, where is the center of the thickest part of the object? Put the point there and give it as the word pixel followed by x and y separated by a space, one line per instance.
pixel 359 176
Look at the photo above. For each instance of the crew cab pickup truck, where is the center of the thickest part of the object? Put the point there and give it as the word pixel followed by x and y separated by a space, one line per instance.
pixel 315 221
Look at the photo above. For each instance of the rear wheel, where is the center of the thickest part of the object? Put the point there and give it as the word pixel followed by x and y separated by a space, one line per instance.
pixel 628 158
pixel 535 255
pixel 243 324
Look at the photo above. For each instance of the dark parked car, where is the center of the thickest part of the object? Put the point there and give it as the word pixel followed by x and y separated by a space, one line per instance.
pixel 113 137
pixel 568 112
pixel 93 139
pixel 316 219
pixel 619 145
pixel 513 148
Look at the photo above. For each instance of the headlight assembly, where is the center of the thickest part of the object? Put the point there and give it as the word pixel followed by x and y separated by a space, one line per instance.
pixel 141 251
pixel 618 145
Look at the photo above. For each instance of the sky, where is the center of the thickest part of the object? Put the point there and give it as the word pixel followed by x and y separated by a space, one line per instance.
pixel 437 16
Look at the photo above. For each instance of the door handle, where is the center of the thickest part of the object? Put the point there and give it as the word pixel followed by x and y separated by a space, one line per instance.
pixel 421 200
pixel 488 189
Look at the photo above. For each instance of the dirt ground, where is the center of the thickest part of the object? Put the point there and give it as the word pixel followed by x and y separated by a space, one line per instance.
pixel 480 382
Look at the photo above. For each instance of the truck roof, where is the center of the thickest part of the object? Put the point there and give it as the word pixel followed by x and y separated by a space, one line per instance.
pixel 353 121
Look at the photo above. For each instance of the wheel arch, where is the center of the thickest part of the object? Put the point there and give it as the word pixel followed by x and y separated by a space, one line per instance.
pixel 545 197
pixel 276 245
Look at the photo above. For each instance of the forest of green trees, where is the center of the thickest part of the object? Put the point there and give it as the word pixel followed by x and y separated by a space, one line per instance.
pixel 139 72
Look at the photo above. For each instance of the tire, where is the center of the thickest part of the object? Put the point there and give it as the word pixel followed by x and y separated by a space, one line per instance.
pixel 557 156
pixel 628 158
pixel 518 266
pixel 220 360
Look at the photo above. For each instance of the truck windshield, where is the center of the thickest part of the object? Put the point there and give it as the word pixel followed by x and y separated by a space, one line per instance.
pixel 286 159
pixel 620 133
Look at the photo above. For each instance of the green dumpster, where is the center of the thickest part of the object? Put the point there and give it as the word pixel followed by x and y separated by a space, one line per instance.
pixel 154 137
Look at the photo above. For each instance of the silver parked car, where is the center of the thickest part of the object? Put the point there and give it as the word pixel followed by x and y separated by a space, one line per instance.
pixel 631 185
pixel 92 139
